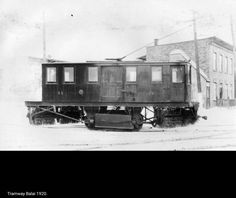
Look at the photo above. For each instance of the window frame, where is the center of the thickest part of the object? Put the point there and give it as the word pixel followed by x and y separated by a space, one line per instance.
pixel 174 66
pixel 93 82
pixel 208 91
pixel 226 64
pixel 131 82
pixel 231 91
pixel 231 66
pixel 155 81
pixel 46 79
pixel 221 64
pixel 221 88
pixel 215 62
pixel 215 91
pixel 226 91
pixel 69 82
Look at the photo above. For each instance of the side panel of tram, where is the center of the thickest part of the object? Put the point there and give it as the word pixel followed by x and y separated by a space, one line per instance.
pixel 114 83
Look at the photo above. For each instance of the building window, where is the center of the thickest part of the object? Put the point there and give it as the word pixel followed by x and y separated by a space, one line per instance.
pixel 231 92
pixel 69 74
pixel 156 74
pixel 130 74
pixel 178 74
pixel 231 66
pixel 207 91
pixel 226 65
pixel 214 91
pixel 92 74
pixel 51 74
pixel 221 91
pixel 214 61
pixel 221 63
pixel 226 91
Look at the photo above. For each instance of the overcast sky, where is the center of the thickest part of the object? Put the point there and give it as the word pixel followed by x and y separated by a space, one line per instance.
pixel 80 30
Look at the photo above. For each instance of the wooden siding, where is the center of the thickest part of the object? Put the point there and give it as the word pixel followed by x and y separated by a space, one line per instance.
pixel 144 88
pixel 112 85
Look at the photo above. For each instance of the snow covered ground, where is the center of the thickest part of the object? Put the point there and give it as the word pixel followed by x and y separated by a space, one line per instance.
pixel 216 133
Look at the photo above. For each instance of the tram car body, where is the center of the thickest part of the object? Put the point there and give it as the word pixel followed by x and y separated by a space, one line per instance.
pixel 109 94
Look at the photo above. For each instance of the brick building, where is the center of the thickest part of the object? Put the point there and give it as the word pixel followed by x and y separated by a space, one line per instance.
pixel 215 59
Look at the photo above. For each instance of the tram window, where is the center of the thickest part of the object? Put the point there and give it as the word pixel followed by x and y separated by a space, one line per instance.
pixel 92 74
pixel 68 74
pixel 178 74
pixel 51 75
pixel 131 74
pixel 156 74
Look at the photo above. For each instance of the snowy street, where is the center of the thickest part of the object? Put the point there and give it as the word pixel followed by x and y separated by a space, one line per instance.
pixel 216 133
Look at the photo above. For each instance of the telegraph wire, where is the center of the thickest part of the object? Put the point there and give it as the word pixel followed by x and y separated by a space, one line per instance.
pixel 175 32
pixel 158 39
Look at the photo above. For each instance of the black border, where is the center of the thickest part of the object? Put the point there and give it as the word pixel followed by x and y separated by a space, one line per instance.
pixel 69 173
pixel 118 164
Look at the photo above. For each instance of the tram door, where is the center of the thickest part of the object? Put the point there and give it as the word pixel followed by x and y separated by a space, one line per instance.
pixel 177 83
pixel 111 83
pixel 50 83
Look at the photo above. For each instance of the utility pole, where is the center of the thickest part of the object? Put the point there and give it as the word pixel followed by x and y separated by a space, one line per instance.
pixel 44 38
pixel 234 54
pixel 196 53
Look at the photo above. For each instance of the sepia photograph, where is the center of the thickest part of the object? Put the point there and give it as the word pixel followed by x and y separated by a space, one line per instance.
pixel 118 75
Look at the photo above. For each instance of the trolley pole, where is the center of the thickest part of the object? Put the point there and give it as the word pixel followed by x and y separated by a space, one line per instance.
pixel 196 53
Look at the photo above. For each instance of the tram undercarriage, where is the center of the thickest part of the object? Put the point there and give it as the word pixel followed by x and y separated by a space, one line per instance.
pixel 113 117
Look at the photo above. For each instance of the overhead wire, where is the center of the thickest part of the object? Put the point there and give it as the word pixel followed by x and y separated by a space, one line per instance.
pixel 158 39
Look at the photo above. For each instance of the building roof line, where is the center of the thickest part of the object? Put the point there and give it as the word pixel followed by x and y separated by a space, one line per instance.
pixel 212 39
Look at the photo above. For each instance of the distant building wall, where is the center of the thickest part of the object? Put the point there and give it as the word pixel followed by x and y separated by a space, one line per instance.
pixel 207 47
pixel 219 75
pixel 161 52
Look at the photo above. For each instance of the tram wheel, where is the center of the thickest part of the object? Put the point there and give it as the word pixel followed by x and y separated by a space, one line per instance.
pixel 89 123
pixel 137 121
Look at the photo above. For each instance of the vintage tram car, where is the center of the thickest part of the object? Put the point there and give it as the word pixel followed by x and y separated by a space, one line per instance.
pixel 116 94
